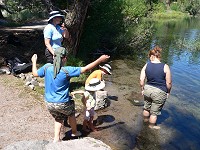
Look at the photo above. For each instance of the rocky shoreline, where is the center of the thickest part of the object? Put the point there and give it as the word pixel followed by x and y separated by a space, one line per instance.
pixel 118 124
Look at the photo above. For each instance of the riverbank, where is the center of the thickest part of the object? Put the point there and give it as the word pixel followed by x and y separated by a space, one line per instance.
pixel 25 118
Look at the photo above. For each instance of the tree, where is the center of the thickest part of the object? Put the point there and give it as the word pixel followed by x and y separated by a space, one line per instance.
pixel 168 3
pixel 3 7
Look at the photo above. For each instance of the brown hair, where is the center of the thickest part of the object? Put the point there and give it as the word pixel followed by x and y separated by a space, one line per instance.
pixel 156 51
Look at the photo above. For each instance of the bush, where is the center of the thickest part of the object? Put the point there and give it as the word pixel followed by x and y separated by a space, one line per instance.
pixel 175 6
pixel 160 7
pixel 134 8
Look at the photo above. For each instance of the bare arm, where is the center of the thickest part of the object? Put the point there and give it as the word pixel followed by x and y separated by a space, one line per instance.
pixel 34 66
pixel 168 78
pixel 93 64
pixel 77 92
pixel 142 78
pixel 48 45
pixel 84 97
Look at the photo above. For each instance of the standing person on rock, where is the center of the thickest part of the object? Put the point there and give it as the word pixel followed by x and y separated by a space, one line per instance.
pixel 54 33
pixel 157 87
pixel 57 81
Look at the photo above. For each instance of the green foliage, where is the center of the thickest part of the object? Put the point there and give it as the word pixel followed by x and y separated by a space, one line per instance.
pixel 192 7
pixel 175 6
pixel 159 7
pixel 134 8
pixel 103 25
pixel 72 61
pixel 25 10
pixel 108 22
pixel 78 81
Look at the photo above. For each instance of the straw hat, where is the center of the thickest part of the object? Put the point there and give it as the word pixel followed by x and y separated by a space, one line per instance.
pixel 55 14
pixel 106 67
pixel 94 85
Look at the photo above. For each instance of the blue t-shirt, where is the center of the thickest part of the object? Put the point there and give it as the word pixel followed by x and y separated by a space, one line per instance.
pixel 54 33
pixel 57 90
pixel 156 75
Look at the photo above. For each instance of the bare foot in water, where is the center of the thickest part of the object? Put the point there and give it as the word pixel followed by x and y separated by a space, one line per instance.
pixel 154 127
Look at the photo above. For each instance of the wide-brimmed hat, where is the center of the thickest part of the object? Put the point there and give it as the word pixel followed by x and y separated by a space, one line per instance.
pixel 107 68
pixel 94 85
pixel 55 14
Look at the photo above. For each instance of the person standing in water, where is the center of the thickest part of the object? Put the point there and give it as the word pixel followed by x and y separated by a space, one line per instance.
pixel 157 87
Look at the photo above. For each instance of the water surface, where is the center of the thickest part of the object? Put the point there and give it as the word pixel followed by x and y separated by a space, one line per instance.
pixel 181 114
pixel 180 119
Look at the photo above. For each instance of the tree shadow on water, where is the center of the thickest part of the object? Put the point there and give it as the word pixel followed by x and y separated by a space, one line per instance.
pixel 183 129
pixel 164 116
pixel 147 139
pixel 179 130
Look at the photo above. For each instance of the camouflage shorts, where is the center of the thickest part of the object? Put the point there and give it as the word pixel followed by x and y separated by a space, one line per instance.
pixel 61 110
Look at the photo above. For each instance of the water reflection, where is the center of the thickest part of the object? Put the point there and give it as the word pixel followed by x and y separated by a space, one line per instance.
pixel 181 116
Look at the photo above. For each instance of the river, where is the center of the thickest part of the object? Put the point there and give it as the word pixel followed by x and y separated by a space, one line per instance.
pixel 181 115
pixel 180 119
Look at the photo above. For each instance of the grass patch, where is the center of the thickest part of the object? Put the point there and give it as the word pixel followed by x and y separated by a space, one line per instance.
pixel 170 14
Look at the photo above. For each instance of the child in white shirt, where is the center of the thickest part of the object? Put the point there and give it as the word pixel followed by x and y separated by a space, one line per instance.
pixel 89 102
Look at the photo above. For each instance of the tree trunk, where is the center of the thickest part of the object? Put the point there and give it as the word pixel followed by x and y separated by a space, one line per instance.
pixel 74 21
pixel 168 4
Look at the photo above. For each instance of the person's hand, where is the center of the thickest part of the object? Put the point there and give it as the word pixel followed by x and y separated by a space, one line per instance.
pixel 104 58
pixel 63 26
pixel 34 58
pixel 73 94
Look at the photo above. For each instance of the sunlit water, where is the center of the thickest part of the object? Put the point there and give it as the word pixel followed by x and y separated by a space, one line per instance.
pixel 181 114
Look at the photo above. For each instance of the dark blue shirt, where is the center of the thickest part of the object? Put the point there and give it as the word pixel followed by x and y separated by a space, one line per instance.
pixel 156 76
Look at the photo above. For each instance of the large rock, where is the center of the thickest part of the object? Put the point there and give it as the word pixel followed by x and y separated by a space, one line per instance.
pixel 101 100
pixel 86 143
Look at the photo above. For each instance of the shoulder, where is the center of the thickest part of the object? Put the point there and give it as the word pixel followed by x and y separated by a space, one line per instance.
pixel 48 27
pixel 144 67
pixel 166 68
pixel 96 72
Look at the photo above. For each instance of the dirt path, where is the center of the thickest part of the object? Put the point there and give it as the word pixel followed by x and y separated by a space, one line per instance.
pixel 22 117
